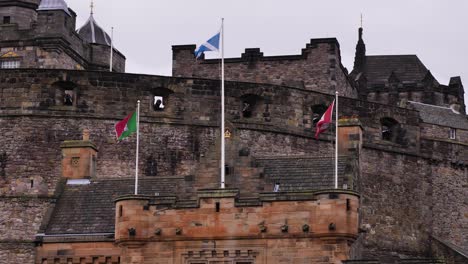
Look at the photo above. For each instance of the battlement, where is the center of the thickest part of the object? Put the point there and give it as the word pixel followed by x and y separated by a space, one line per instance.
pixel 319 55
pixel 218 215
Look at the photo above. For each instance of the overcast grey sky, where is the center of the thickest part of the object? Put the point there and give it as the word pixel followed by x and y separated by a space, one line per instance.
pixel 145 30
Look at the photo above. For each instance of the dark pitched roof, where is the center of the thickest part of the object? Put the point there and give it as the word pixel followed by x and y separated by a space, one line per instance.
pixel 442 116
pixel 93 33
pixel 304 173
pixel 89 209
pixel 407 68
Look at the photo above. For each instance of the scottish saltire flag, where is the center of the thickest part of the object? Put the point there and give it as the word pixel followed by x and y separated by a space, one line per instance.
pixel 211 45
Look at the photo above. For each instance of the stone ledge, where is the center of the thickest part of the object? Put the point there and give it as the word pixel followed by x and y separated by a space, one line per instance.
pixel 78 144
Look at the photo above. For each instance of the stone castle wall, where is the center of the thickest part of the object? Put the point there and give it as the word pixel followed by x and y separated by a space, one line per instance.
pixel 22 15
pixel 47 39
pixel 397 181
pixel 318 68
pixel 405 199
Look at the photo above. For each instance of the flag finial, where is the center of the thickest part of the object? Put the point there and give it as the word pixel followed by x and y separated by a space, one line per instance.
pixel 92 7
pixel 361 20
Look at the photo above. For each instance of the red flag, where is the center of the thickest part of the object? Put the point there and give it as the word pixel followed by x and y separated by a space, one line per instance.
pixel 325 121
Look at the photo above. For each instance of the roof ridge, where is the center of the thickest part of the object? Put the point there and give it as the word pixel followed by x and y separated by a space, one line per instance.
pixel 133 178
pixel 437 106
pixel 297 156
pixel 393 55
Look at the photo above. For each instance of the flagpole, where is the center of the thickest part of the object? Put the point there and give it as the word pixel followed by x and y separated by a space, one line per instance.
pixel 111 50
pixel 336 141
pixel 223 161
pixel 137 147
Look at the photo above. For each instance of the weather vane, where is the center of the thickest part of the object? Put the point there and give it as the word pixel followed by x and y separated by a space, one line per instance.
pixel 92 7
pixel 361 20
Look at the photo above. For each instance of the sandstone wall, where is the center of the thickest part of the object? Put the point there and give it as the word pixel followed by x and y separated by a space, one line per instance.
pixel 219 227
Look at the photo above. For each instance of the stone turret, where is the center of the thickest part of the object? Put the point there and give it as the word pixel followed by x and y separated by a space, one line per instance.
pixel 20 13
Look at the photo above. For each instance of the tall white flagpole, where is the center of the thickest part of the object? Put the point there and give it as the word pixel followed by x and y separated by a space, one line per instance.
pixel 223 161
pixel 336 141
pixel 111 50
pixel 137 147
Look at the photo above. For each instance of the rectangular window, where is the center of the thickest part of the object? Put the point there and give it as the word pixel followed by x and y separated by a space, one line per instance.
pixel 453 133
pixel 9 64
pixel 6 20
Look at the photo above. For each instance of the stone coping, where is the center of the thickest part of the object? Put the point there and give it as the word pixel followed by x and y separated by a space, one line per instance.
pixel 78 144
pixel 234 193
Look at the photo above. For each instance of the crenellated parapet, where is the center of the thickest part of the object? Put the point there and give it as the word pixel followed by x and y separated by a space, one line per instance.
pixel 318 67
pixel 220 215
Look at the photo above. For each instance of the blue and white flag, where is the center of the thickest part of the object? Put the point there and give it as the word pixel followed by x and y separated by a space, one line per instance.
pixel 211 45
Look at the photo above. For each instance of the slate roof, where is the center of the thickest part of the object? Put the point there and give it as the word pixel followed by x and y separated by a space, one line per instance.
pixel 303 173
pixel 408 68
pixel 88 209
pixel 54 5
pixel 93 33
pixel 442 116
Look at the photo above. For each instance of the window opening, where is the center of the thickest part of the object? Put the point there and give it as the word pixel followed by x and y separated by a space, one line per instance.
pixel 68 98
pixel 453 133
pixel 389 129
pixel 10 64
pixel 249 104
pixel 6 20
pixel 158 103
pixel 277 187
pixel 218 207
pixel 317 112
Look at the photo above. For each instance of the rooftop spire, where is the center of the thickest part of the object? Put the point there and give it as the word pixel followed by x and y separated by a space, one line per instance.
pixel 360 57
pixel 92 7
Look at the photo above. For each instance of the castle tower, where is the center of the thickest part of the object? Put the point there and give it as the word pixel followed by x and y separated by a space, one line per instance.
pixel 100 46
pixel 55 16
pixel 20 13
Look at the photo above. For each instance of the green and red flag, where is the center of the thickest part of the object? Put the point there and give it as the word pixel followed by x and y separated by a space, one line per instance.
pixel 126 127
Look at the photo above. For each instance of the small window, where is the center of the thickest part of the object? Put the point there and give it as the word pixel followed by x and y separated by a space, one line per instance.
pixel 317 113
pixel 277 187
pixel 158 103
pixel 250 103
pixel 68 98
pixel 120 211
pixel 6 20
pixel 50 18
pixel 10 64
pixel 389 129
pixel 453 133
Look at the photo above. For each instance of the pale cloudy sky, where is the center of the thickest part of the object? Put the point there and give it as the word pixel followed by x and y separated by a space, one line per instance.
pixel 145 30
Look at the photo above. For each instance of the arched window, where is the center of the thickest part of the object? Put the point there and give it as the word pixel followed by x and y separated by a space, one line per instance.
pixel 389 129
pixel 160 99
pixel 65 93
pixel 250 105
pixel 317 112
